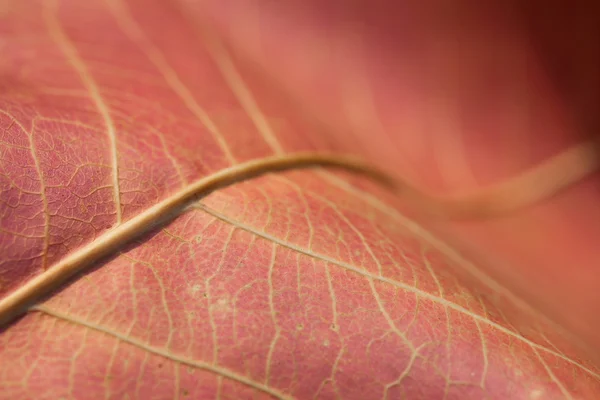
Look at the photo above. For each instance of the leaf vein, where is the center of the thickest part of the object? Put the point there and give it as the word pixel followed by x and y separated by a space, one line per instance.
pixel 164 353
pixel 72 56
pixel 38 169
pixel 136 35
pixel 397 284
pixel 241 91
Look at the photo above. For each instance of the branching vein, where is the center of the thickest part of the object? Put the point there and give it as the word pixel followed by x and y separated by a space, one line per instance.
pixel 165 211
pixel 422 294
pixel 164 353
pixel 70 52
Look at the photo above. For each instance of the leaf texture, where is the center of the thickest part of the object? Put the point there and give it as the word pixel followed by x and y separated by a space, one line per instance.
pixel 307 284
pixel 454 97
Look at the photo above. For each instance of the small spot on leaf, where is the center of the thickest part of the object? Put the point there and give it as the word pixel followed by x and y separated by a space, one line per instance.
pixel 196 288
pixel 536 394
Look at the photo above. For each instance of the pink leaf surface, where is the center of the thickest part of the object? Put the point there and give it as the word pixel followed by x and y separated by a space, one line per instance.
pixel 301 285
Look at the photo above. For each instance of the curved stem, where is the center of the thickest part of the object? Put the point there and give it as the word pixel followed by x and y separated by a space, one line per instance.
pixel 541 182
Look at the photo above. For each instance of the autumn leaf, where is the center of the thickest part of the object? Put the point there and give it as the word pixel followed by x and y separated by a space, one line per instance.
pixel 299 284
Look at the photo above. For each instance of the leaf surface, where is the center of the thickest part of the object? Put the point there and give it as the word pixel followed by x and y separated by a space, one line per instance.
pixel 456 98
pixel 307 284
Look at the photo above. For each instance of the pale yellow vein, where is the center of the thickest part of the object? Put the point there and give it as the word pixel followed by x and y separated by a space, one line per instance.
pixel 172 159
pixel 163 295
pixel 247 100
pixel 371 253
pixel 209 298
pixel 139 379
pixel 484 351
pixel 73 361
pixel 177 386
pixel 109 366
pixel 558 383
pixel 273 312
pixel 431 271
pixel 397 284
pixel 165 211
pixel 252 108
pixel 71 54
pixel 335 367
pixel 38 170
pixel 241 91
pixel 446 310
pixel 164 353
pixel 331 289
pixel 405 373
pixel 302 196
pixel 428 237
pixel 136 35
pixel 219 387
pixel 422 233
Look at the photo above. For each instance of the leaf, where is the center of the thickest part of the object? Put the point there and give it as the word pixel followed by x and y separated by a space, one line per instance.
pixel 304 284
pixel 456 97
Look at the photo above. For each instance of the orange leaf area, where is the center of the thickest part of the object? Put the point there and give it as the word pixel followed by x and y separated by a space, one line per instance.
pixel 300 285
